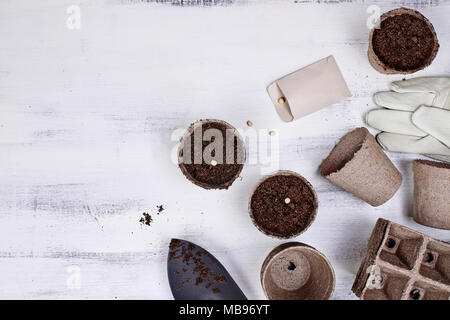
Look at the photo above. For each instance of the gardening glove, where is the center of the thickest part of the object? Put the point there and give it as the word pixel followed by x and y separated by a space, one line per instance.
pixel 417 118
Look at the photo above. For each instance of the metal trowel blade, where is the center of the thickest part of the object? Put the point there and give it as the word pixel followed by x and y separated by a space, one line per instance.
pixel 195 274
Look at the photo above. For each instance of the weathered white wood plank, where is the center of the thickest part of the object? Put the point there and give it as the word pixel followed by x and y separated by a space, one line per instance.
pixel 86 118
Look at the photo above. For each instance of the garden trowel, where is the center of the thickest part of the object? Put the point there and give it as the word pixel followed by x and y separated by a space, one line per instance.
pixel 195 274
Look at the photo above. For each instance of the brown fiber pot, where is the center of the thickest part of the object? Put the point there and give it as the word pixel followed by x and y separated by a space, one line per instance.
pixel 185 137
pixel 357 164
pixel 276 235
pixel 297 271
pixel 379 65
pixel 432 193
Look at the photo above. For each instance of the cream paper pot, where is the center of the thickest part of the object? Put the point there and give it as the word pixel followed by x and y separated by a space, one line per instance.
pixel 432 193
pixel 358 165
pixel 379 65
pixel 296 271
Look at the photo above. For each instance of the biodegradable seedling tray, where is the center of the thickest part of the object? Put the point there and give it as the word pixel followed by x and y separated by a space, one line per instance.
pixel 403 264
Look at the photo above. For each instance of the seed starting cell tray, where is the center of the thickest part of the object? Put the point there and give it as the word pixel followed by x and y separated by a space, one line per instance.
pixel 403 264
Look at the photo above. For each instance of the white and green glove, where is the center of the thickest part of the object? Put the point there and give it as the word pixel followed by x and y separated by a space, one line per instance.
pixel 417 118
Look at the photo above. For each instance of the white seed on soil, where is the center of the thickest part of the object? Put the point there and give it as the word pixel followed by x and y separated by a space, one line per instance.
pixel 287 200
pixel 213 163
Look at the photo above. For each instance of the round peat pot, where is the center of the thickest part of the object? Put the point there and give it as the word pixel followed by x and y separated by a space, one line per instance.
pixel 358 164
pixel 283 205
pixel 432 193
pixel 211 154
pixel 296 271
pixel 405 42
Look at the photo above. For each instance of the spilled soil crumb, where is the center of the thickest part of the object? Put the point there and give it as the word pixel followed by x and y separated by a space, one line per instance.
pixel 220 279
pixel 146 219
pixel 198 281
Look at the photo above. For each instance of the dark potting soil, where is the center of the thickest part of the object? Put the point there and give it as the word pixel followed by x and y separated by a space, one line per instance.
pixel 273 214
pixel 221 173
pixel 403 42
pixel 146 219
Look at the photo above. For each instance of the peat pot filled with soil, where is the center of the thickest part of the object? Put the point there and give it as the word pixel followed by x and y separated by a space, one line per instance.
pixel 283 205
pixel 405 42
pixel 211 154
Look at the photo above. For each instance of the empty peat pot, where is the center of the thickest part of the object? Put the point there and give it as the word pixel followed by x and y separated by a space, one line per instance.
pixel 211 154
pixel 405 42
pixel 432 193
pixel 296 271
pixel 283 205
pixel 358 165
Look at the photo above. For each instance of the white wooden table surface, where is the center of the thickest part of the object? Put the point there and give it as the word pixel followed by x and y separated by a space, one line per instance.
pixel 86 118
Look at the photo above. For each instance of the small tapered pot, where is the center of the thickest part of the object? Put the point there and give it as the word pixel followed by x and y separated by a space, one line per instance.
pixel 297 271
pixel 358 165
pixel 432 193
